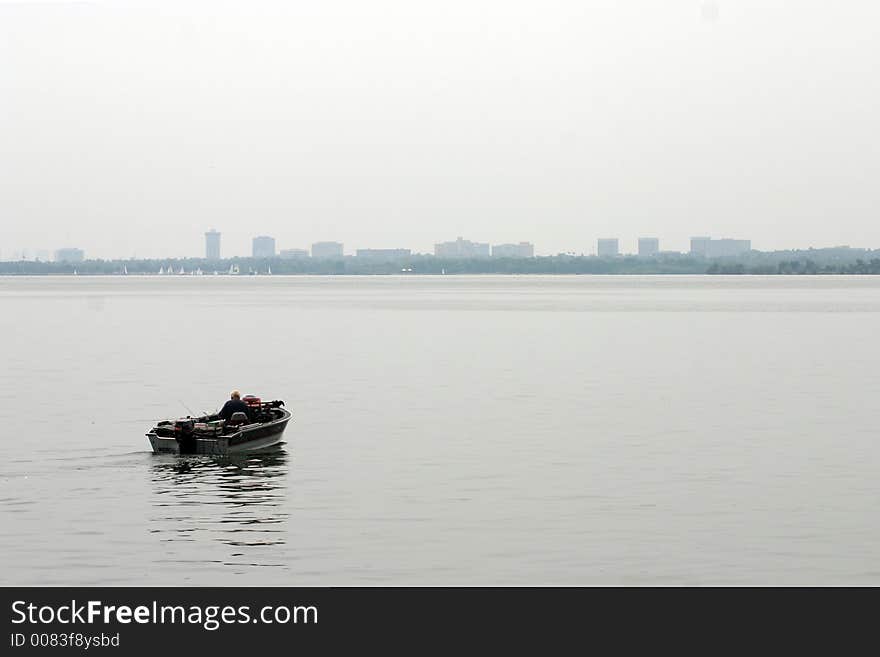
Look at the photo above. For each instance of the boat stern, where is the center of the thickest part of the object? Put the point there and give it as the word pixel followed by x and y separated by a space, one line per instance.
pixel 163 445
pixel 209 446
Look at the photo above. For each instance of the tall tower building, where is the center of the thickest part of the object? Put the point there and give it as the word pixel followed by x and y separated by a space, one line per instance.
pixel 608 247
pixel 212 245
pixel 649 246
pixel 263 246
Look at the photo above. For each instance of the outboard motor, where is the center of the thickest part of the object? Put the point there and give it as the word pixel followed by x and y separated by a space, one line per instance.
pixel 184 433
pixel 254 406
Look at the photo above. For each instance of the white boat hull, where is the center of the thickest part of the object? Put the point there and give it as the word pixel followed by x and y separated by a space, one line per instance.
pixel 216 446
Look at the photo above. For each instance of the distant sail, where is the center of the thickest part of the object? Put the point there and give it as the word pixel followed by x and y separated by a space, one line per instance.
pixel 161 270
pixel 125 269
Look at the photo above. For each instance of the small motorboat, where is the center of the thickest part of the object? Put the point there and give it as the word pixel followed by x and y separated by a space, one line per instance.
pixel 261 427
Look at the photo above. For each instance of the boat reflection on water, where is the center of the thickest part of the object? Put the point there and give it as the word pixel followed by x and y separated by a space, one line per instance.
pixel 226 511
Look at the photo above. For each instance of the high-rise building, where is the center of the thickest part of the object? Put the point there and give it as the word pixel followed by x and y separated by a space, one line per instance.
pixel 700 245
pixel 390 254
pixel 69 255
pixel 263 246
pixel 608 247
pixel 294 253
pixel 212 245
pixel 521 250
pixel 722 248
pixel 327 250
pixel 461 248
pixel 649 246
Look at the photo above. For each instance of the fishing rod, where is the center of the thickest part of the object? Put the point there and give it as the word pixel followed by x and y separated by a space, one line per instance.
pixel 189 410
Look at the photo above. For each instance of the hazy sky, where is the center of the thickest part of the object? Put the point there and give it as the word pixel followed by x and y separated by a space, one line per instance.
pixel 130 128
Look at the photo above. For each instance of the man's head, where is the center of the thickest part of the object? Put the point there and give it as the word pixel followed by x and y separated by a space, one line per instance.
pixel 235 394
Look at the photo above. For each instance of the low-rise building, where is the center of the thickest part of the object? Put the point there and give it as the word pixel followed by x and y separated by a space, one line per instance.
pixel 461 248
pixel 327 250
pixel 521 250
pixel 69 255
pixel 726 247
pixel 388 254
pixel 294 253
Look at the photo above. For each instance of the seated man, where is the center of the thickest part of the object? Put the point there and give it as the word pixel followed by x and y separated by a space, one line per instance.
pixel 234 405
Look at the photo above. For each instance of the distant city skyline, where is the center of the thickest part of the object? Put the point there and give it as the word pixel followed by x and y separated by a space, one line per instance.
pixel 234 243
pixel 264 246
pixel 627 244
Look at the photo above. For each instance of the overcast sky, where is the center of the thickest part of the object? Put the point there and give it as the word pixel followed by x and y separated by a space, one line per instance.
pixel 130 128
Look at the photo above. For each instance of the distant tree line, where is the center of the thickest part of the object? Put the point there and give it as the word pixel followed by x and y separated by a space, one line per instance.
pixel 769 263
pixel 797 267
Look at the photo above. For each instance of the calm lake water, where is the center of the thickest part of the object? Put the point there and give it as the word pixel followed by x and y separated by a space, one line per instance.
pixel 447 430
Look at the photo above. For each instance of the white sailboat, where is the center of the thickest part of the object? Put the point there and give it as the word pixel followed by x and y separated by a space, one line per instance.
pixel 268 270
pixel 161 270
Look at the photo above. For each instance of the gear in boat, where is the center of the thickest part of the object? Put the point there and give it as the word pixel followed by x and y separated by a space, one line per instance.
pixel 260 426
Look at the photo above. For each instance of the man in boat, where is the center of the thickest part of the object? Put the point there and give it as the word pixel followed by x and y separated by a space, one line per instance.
pixel 234 405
